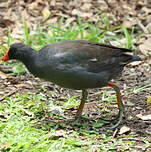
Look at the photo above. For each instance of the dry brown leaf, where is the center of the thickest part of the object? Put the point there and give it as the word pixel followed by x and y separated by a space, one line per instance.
pixel 146 10
pixel 4 116
pixel 22 85
pixel 135 63
pixel 52 3
pixel 145 117
pixel 3 1
pixel 17 31
pixel 124 130
pixel 5 22
pixel 29 113
pixel 3 75
pixel 37 6
pixel 62 15
pixel 69 21
pixel 75 12
pixel 148 27
pixel 95 148
pixel 119 42
pixel 24 14
pixel 86 7
pixel 87 1
pixel 142 26
pixel 86 14
pixel 33 5
pixel 129 24
pixel 82 14
pixel 53 20
pixel 145 48
pixel 46 14
pixel 148 149
pixel 5 4
pixel 58 133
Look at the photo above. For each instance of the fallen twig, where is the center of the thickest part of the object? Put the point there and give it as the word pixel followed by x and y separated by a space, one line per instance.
pixel 9 94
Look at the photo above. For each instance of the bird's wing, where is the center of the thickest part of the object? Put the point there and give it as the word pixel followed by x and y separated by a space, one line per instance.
pixel 93 57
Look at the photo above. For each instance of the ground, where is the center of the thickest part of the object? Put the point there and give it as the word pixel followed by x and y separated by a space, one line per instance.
pixel 32 109
pixel 98 105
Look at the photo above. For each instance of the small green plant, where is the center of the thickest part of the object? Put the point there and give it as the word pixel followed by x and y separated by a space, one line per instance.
pixel 10 39
pixel 128 37
pixel 26 31
pixel 139 89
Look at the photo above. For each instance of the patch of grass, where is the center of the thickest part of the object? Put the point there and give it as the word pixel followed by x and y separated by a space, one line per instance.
pixel 24 126
pixel 20 130
pixel 82 31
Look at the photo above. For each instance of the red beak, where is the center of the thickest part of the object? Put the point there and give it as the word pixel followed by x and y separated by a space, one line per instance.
pixel 6 56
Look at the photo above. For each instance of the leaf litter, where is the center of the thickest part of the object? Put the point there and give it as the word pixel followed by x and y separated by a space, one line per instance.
pixel 134 13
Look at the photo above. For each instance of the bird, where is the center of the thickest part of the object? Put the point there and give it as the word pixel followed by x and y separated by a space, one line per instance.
pixel 76 64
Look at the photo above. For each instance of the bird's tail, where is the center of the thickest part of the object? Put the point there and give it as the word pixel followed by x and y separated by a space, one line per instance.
pixel 136 58
pixel 130 59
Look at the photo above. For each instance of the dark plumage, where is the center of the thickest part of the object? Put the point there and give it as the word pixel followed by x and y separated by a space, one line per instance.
pixel 73 64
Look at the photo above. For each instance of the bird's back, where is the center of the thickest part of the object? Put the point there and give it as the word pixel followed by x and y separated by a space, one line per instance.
pixel 80 64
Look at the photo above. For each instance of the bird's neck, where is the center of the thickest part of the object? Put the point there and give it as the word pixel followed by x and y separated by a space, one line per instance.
pixel 27 56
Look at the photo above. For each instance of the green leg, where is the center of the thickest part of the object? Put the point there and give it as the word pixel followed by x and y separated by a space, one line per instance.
pixel 119 103
pixel 83 100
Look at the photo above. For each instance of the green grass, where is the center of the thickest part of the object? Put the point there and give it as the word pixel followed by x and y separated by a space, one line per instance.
pixel 22 129
pixel 83 31
pixel 23 119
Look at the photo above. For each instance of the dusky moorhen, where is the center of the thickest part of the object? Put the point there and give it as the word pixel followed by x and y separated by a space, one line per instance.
pixel 76 64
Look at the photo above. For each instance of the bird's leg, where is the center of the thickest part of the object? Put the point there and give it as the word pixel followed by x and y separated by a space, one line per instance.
pixel 119 103
pixel 83 100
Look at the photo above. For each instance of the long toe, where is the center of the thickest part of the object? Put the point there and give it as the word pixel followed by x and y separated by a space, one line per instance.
pixel 119 118
pixel 81 119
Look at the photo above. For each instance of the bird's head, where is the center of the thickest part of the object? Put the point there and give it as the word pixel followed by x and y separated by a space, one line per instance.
pixel 14 51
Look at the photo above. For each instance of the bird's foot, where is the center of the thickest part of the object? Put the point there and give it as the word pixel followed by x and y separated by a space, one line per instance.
pixel 110 120
pixel 119 118
pixel 80 119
